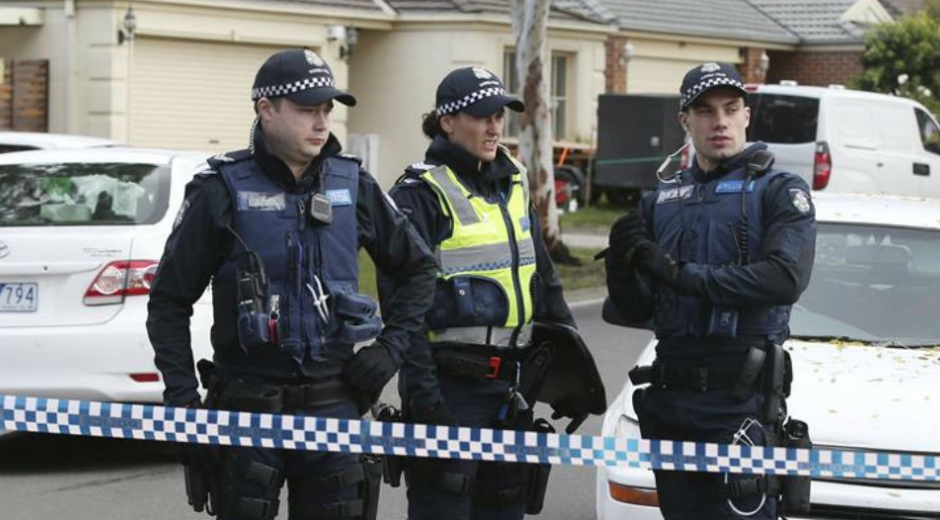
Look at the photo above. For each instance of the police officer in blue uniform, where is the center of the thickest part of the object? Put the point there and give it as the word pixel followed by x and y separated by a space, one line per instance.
pixel 469 200
pixel 276 229
pixel 715 257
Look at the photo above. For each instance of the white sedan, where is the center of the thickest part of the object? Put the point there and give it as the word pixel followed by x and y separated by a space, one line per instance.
pixel 864 343
pixel 81 234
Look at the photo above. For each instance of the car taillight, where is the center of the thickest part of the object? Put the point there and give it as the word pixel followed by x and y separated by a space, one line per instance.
pixel 822 166
pixel 120 279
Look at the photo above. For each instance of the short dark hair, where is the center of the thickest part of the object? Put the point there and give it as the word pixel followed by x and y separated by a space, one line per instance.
pixel 274 101
pixel 431 125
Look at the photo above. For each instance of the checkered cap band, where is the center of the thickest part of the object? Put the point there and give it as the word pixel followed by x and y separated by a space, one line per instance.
pixel 274 91
pixel 469 99
pixel 698 88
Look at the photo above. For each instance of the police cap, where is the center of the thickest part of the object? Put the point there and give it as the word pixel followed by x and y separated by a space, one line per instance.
pixel 707 76
pixel 299 75
pixel 476 91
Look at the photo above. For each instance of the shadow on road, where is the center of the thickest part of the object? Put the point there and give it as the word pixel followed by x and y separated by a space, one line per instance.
pixel 29 453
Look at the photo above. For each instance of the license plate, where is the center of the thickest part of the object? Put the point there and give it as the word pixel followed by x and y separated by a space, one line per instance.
pixel 19 297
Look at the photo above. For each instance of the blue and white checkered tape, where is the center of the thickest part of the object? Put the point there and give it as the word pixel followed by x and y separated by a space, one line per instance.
pixel 229 428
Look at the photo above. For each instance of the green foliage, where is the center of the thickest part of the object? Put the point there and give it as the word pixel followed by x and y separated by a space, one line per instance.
pixel 903 58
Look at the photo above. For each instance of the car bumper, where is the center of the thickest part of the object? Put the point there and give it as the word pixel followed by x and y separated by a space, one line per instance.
pixel 829 499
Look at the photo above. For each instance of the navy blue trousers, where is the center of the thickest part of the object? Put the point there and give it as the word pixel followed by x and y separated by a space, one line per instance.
pixel 712 416
pixel 473 402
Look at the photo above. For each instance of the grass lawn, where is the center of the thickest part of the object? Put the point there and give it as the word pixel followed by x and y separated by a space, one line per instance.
pixel 588 274
pixel 593 219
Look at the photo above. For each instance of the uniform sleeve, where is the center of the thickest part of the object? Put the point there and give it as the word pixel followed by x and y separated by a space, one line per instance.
pixel 632 297
pixel 400 255
pixel 191 257
pixel 551 305
pixel 419 371
pixel 782 268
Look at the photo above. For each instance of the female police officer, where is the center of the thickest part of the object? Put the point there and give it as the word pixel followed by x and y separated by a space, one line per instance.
pixel 469 200
pixel 715 256
pixel 277 228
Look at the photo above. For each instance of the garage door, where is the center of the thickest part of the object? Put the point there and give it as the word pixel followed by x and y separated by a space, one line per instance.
pixel 193 95
pixel 657 75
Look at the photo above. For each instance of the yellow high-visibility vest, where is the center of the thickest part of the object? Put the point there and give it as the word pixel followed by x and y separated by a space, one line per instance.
pixel 489 240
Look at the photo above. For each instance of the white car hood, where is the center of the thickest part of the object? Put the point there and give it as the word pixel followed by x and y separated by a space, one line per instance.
pixel 862 396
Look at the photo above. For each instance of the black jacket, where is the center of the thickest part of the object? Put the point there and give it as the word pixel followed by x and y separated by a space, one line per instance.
pixel 200 242
pixel 777 275
pixel 419 202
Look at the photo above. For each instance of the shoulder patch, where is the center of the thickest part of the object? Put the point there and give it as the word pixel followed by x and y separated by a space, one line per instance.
pixel 228 158
pixel 800 200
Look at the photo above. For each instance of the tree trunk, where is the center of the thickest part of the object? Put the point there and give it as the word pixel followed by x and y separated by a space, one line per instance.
pixel 529 23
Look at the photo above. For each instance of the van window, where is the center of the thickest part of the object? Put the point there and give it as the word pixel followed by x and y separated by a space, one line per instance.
pixel 83 194
pixel 782 119
pixel 7 148
pixel 929 133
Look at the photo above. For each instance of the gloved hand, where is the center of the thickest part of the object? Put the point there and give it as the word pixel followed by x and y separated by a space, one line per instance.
pixel 654 261
pixel 628 231
pixel 370 369
pixel 200 456
pixel 565 407
pixel 434 414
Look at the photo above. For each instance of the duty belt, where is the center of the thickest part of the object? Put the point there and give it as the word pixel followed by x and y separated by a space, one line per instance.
pixel 274 398
pixel 492 336
pixel 478 365
pixel 696 379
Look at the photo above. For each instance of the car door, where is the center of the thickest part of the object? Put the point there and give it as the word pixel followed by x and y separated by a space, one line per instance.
pixel 899 149
pixel 927 160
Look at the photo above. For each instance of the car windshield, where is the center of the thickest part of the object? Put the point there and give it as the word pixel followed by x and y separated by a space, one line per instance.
pixel 83 194
pixel 872 284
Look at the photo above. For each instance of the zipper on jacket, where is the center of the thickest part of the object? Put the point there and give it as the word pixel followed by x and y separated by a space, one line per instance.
pixel 517 284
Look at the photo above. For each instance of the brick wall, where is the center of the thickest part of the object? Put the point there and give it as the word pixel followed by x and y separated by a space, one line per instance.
pixel 815 68
pixel 750 67
pixel 24 96
pixel 616 71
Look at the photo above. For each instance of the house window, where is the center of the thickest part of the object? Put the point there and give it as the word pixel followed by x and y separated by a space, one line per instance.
pixel 560 93
pixel 511 81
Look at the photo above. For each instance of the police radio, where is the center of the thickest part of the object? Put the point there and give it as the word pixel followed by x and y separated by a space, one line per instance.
pixel 254 324
pixel 321 211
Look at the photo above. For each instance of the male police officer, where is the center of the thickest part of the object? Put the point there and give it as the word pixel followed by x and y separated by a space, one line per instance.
pixel 277 228
pixel 715 256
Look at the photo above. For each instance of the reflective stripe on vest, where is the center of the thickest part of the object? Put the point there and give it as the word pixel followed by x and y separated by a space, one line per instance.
pixel 483 245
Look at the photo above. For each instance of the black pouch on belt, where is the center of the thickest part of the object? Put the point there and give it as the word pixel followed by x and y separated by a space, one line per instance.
pixel 796 490
pixel 538 475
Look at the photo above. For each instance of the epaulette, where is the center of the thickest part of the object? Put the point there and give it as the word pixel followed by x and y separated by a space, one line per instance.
pixel 350 157
pixel 228 158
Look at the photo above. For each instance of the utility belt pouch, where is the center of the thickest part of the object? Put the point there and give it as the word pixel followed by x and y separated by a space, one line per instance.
pixel 796 490
pixel 538 475
pixel 722 323
pixel 372 467
pixel 392 465
pixel 774 376
pixel 750 372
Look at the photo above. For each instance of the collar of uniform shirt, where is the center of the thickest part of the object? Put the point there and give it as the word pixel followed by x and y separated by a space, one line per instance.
pixel 275 168
pixel 729 165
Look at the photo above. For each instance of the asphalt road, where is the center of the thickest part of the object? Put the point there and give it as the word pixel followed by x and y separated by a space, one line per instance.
pixel 53 476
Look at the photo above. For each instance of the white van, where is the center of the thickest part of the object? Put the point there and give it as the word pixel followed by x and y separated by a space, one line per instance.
pixel 848 140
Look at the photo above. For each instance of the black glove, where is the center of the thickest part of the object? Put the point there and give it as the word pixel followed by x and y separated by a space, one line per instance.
pixel 370 369
pixel 433 414
pixel 628 231
pixel 199 456
pixel 653 260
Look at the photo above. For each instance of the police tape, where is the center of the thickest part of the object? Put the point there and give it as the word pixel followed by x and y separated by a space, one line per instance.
pixel 294 432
